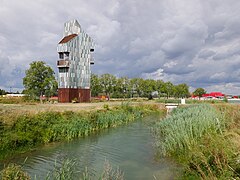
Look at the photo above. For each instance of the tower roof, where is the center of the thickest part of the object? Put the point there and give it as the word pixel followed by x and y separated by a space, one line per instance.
pixel 67 38
pixel 71 27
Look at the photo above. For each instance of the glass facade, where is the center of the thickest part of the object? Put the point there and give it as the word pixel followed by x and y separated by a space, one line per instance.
pixel 75 57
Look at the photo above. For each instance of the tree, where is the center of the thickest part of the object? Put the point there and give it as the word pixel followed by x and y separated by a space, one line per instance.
pixel 169 89
pixel 108 83
pixel 160 86
pixel 181 91
pixel 39 80
pixel 135 86
pixel 96 87
pixel 122 87
pixel 2 92
pixel 199 92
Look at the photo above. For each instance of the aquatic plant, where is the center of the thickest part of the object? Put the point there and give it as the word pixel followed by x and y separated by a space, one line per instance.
pixel 185 126
pixel 13 172
pixel 67 171
pixel 109 173
pixel 196 136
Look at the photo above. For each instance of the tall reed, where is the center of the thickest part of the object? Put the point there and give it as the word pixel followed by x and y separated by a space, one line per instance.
pixel 185 126
pixel 196 136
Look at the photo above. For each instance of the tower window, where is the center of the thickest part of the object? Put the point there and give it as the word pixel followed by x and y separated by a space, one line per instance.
pixel 60 55
pixel 63 70
pixel 66 54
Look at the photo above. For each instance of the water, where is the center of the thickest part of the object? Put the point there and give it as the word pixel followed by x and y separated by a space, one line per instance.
pixel 128 147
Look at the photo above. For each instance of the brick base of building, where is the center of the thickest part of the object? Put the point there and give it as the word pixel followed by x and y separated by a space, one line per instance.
pixel 66 95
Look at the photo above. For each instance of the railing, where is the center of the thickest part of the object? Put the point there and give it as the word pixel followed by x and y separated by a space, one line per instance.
pixel 63 63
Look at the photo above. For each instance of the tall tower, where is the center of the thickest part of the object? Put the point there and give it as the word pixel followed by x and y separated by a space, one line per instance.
pixel 75 57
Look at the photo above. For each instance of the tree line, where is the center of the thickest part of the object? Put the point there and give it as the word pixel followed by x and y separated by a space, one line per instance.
pixel 112 86
pixel 2 92
pixel 40 80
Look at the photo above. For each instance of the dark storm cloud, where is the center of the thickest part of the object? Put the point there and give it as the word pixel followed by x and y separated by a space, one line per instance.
pixel 190 41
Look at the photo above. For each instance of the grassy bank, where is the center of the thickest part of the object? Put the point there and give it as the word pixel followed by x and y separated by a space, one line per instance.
pixel 200 137
pixel 26 131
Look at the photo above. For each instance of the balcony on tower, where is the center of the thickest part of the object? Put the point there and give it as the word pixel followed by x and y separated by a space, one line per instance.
pixel 63 63
pixel 64 60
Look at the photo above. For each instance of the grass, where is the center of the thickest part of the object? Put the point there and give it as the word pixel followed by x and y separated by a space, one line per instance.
pixel 29 130
pixel 65 171
pixel 190 101
pixel 185 126
pixel 198 138
pixel 13 172
pixel 16 100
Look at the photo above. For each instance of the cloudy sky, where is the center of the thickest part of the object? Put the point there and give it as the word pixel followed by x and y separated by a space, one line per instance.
pixel 183 41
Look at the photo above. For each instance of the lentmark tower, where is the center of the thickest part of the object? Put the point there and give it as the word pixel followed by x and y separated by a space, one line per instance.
pixel 75 57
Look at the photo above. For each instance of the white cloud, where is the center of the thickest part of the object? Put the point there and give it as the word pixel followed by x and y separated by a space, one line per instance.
pixel 218 76
pixel 191 41
pixel 229 88
pixel 170 64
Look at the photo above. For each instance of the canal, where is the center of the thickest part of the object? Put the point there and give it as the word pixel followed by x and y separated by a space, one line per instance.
pixel 129 147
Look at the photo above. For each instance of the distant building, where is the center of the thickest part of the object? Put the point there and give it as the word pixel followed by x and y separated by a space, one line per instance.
pixel 214 95
pixel 75 57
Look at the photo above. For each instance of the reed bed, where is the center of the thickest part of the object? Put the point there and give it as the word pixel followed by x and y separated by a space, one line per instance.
pixel 185 126
pixel 196 136
pixel 28 131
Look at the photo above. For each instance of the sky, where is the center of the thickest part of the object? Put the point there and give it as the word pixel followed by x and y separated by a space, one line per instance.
pixel 196 42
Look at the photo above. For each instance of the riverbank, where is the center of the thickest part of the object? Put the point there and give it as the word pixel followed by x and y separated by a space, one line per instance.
pixel 127 148
pixel 21 131
pixel 204 139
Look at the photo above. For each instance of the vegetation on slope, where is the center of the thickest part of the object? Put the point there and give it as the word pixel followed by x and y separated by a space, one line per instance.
pixel 26 131
pixel 199 137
